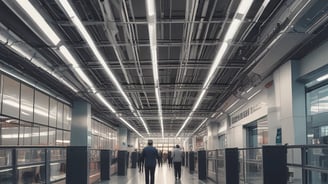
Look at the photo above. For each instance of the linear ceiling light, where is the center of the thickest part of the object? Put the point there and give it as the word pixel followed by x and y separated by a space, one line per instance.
pixel 84 33
pixel 20 48
pixel 64 51
pixel 230 34
pixel 234 103
pixel 322 78
pixel 151 16
pixel 201 124
pixel 39 20
pixel 252 96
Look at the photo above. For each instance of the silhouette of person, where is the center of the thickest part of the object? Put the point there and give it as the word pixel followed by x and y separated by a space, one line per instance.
pixel 149 153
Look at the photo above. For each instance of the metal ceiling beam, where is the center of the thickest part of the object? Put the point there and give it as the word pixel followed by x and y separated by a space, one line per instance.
pixel 160 43
pixel 141 21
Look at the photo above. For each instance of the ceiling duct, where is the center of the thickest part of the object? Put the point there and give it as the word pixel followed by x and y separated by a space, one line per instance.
pixel 294 28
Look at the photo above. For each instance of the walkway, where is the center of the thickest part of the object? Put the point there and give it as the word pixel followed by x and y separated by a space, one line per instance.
pixel 163 175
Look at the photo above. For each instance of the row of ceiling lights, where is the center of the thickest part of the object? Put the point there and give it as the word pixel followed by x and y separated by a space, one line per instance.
pixel 151 15
pixel 55 40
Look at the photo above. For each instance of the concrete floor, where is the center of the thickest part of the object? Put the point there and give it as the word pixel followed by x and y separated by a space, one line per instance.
pixel 163 175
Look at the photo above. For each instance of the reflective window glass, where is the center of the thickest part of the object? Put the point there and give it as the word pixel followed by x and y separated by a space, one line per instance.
pixel 41 108
pixel 52 137
pixel 44 135
pixel 10 102
pixel 25 133
pixel 60 110
pixel 53 112
pixel 59 137
pixel 67 118
pixel 9 131
pixel 26 100
pixel 36 135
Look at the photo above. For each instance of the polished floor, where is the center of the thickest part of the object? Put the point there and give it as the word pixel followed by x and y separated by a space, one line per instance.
pixel 163 175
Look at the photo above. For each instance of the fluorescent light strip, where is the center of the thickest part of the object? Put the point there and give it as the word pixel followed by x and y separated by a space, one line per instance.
pixel 241 106
pixel 18 49
pixel 201 124
pixel 39 20
pixel 234 103
pixel 257 92
pixel 151 16
pixel 184 124
pixel 102 99
pixel 243 8
pixel 322 78
pixel 84 33
pixel 127 124
pixel 249 89
pixel 75 66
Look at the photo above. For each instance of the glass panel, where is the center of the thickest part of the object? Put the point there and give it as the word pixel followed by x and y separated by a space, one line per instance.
pixel 25 133
pixel 52 136
pixel 57 171
pixel 27 96
pixel 57 154
pixel 44 135
pixel 94 166
pixel 30 156
pixel 36 135
pixel 6 176
pixel 31 174
pixel 10 101
pixel 1 91
pixel 41 108
pixel 67 118
pixel 60 110
pixel 9 131
pixel 53 112
pixel 317 115
pixel 5 157
pixel 67 138
pixel 59 137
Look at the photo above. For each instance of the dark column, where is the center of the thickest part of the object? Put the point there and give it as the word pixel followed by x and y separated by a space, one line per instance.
pixel 231 166
pixel 274 164
pixel 191 161
pixel 121 162
pixel 105 163
pixel 202 175
pixel 77 170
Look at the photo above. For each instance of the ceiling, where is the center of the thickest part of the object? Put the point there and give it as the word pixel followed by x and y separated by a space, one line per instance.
pixel 189 35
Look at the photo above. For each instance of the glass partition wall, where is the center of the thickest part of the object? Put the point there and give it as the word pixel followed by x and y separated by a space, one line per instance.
pixel 30 117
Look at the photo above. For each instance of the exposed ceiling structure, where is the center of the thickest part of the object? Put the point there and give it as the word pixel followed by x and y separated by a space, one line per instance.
pixel 160 67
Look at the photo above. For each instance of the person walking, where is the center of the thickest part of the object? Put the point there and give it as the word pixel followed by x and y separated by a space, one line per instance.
pixel 177 159
pixel 169 158
pixel 150 154
pixel 141 161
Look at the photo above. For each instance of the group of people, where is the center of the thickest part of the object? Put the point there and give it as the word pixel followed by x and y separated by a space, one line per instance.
pixel 148 157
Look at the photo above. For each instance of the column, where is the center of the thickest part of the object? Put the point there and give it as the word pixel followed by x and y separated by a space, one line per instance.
pixel 212 129
pixel 77 153
pixel 122 157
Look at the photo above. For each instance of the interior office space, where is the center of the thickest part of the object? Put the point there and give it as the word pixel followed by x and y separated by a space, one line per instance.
pixel 205 74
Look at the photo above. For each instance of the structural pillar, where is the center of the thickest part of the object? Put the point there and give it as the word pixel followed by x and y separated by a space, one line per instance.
pixel 77 153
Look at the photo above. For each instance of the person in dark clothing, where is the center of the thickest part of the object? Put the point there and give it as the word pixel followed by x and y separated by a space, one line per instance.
pixel 150 154
pixel 141 162
pixel 169 158
pixel 159 159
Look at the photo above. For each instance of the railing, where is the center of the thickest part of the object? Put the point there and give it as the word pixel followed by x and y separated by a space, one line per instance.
pixel 307 164
pixel 250 163
pixel 32 164
pixel 94 166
